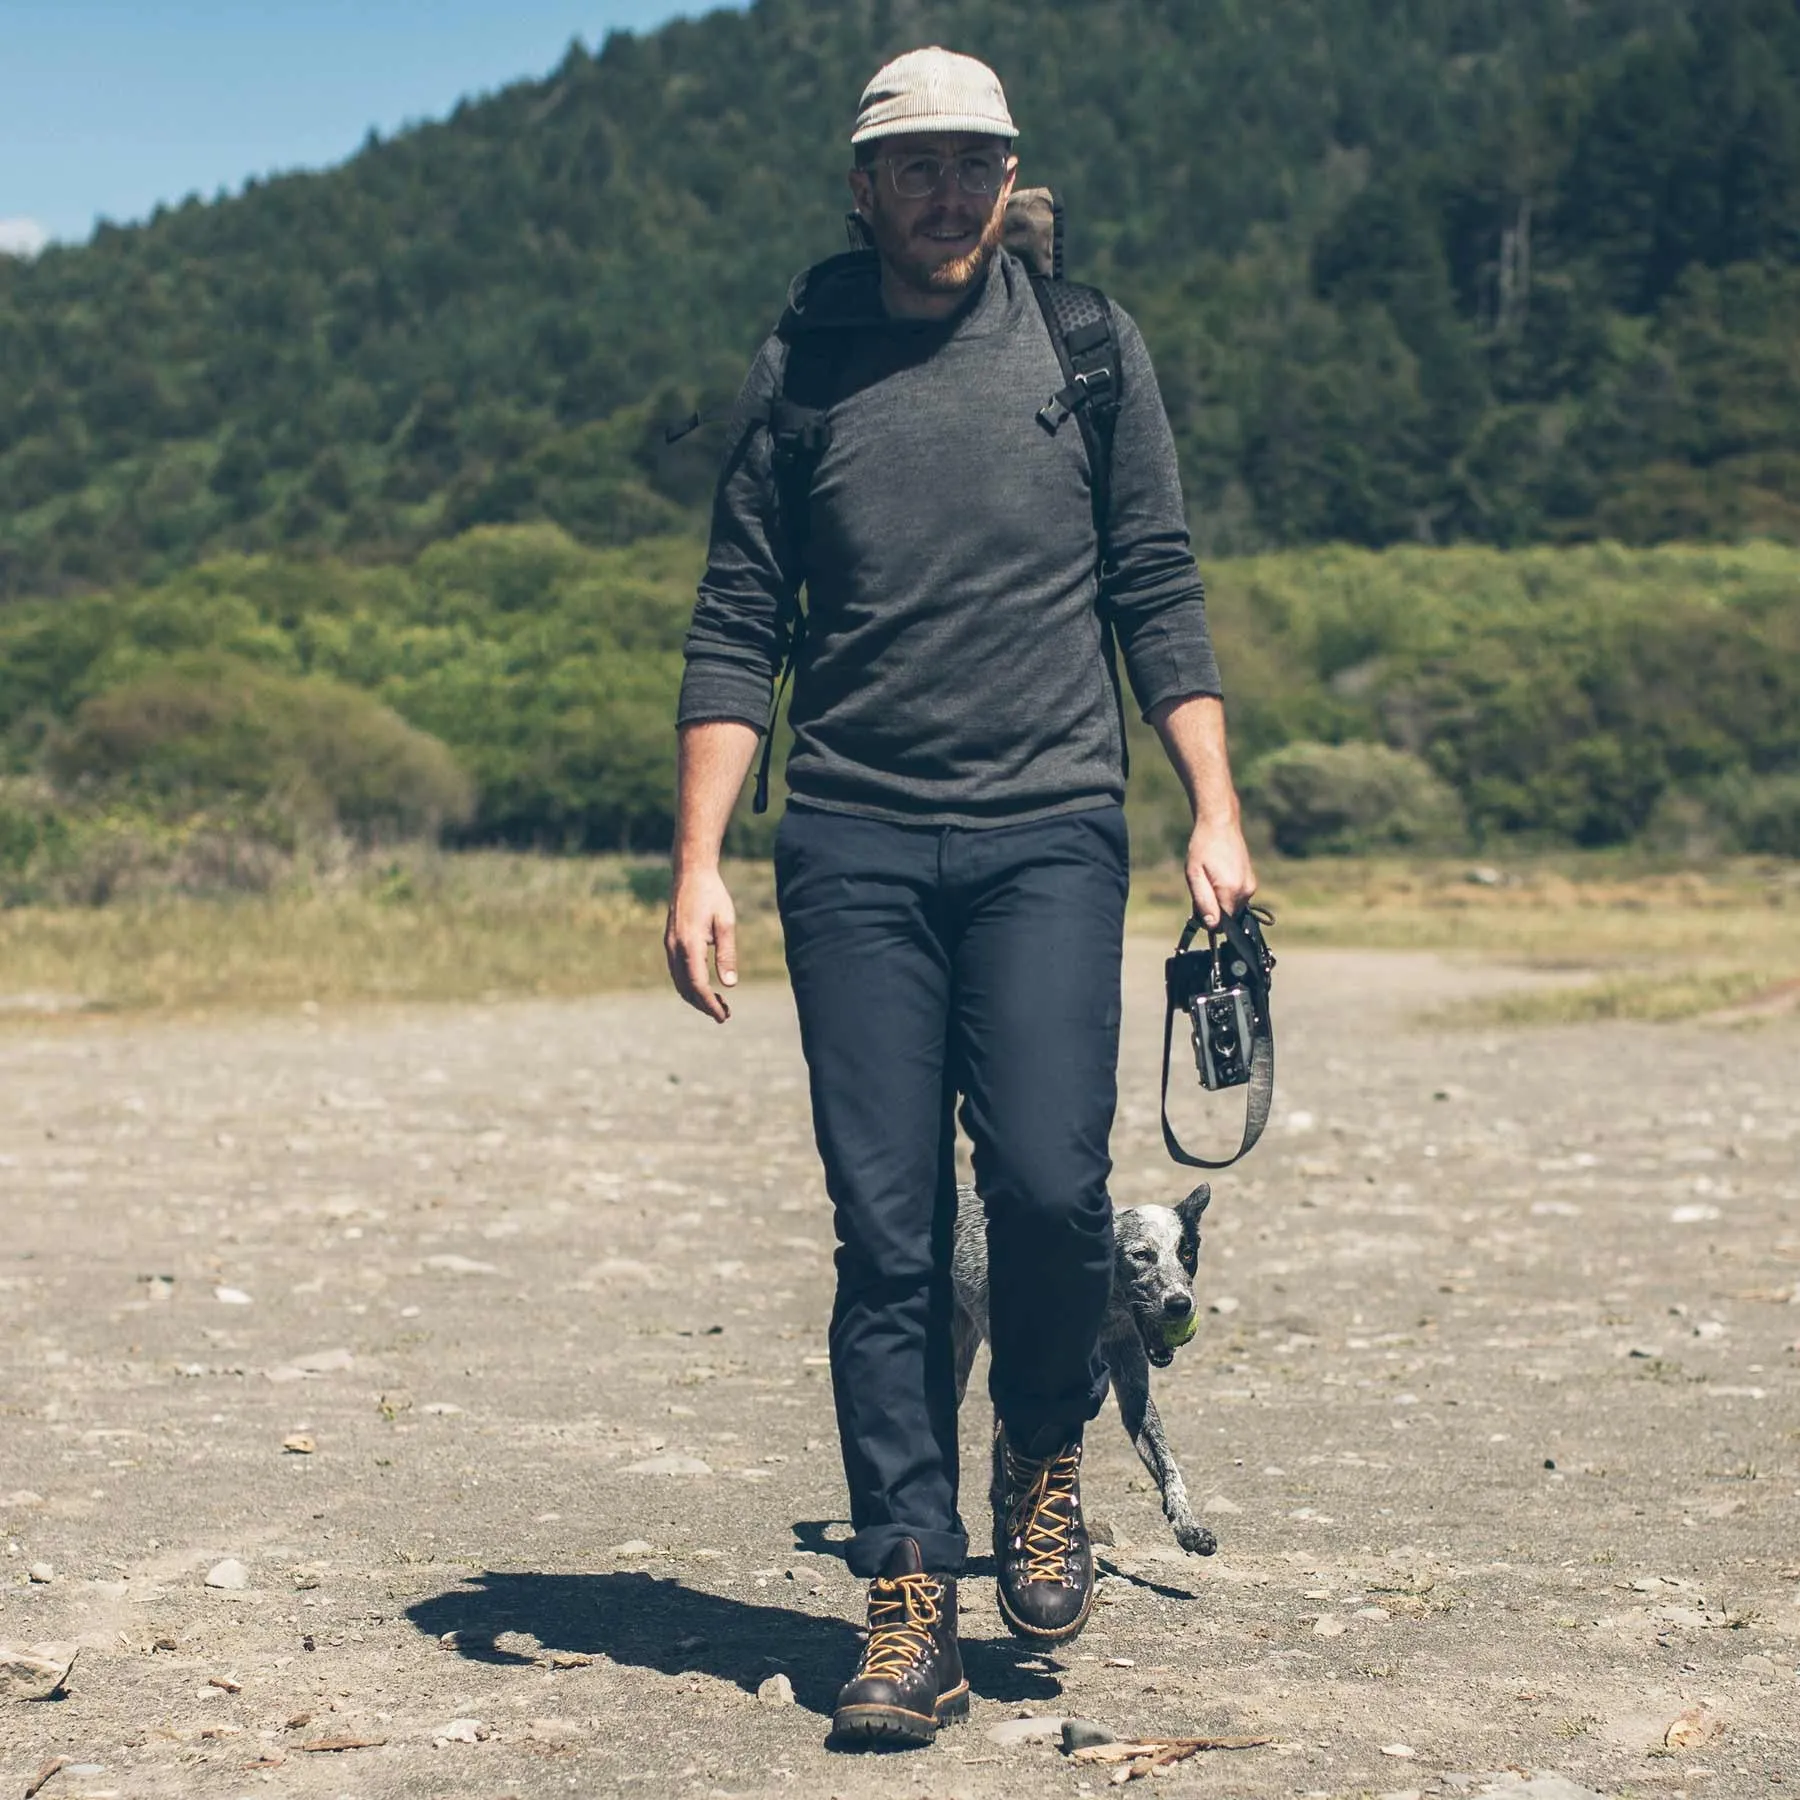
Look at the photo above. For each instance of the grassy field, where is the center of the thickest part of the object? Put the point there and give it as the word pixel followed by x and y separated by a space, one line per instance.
pixel 1668 943
pixel 418 927
pixel 1662 943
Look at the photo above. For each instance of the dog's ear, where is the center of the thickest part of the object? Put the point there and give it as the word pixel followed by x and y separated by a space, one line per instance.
pixel 1188 1212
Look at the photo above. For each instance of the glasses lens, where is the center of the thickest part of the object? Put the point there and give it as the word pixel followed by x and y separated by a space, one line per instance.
pixel 917 177
pixel 981 174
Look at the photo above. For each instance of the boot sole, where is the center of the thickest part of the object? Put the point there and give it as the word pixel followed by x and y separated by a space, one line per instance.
pixel 893 1727
pixel 1037 1634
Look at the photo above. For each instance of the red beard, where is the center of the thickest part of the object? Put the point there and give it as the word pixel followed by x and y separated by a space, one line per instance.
pixel 908 253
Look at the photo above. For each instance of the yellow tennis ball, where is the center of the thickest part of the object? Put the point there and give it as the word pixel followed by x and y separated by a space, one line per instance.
pixel 1180 1331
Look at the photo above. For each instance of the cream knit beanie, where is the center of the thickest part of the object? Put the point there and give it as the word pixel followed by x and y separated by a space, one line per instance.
pixel 933 90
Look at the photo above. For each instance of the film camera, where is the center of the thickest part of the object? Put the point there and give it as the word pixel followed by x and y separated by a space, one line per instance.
pixel 1224 991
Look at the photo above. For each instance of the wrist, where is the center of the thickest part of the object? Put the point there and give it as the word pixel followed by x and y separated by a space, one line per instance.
pixel 1216 816
pixel 693 859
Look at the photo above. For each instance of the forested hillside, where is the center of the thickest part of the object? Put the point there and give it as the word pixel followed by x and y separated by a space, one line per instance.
pixel 1413 270
pixel 519 688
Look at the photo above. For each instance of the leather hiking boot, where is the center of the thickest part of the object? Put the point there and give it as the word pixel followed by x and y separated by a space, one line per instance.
pixel 910 1680
pixel 1045 1562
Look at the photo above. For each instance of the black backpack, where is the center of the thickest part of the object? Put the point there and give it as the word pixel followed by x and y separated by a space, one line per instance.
pixel 1087 346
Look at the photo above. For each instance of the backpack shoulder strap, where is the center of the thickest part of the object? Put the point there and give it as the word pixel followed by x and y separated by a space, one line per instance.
pixel 799 435
pixel 1087 347
pixel 1086 341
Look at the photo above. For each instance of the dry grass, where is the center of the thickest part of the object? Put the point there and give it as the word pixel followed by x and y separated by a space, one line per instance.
pixel 423 927
pixel 1662 944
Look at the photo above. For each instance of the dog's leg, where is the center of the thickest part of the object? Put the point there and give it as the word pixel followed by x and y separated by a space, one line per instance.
pixel 1144 1426
pixel 965 1337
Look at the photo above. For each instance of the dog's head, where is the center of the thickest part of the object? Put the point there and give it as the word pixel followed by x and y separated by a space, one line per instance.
pixel 1158 1254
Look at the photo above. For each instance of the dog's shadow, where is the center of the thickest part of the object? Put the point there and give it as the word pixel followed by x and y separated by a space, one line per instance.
pixel 654 1622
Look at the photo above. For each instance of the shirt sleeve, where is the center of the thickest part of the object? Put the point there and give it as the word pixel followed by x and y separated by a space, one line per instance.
pixel 738 637
pixel 1150 584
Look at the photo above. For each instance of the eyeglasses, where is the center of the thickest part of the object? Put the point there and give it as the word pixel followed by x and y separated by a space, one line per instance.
pixel 918 177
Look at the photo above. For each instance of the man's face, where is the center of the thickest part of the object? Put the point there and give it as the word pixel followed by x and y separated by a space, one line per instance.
pixel 936 235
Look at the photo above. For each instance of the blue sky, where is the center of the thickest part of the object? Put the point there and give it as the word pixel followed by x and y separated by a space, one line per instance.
pixel 109 106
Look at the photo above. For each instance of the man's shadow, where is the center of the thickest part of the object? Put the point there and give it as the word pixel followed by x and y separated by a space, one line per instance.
pixel 655 1622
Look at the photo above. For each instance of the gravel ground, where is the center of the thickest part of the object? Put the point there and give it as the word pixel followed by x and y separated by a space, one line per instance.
pixel 482 1349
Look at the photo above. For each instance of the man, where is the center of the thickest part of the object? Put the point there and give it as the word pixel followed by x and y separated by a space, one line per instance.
pixel 952 866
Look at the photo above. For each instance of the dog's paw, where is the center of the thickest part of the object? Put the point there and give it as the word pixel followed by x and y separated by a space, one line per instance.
pixel 1196 1540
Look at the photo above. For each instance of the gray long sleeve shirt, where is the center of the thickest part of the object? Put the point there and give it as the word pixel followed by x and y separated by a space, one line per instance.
pixel 952 671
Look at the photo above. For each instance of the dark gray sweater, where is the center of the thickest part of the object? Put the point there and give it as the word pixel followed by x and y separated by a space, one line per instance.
pixel 952 671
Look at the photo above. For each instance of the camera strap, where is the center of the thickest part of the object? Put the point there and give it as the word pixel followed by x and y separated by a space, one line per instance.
pixel 1240 933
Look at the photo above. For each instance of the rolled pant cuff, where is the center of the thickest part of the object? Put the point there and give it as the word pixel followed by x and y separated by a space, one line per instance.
pixel 942 1552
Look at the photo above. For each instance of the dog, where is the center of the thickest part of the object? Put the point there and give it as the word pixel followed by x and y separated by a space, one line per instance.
pixel 1155 1255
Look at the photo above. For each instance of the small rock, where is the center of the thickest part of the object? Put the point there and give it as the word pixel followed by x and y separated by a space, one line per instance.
pixel 1378 1613
pixel 230 1296
pixel 1083 1734
pixel 669 1464
pixel 1692 1728
pixel 461 1731
pixel 1694 1215
pixel 1484 875
pixel 1709 1328
pixel 442 1409
pixel 1509 1786
pixel 41 1572
pixel 298 1445
pixel 1027 1731
pixel 1220 1505
pixel 1101 1531
pixel 1224 1304
pixel 1761 1666
pixel 83 1770
pixel 230 1575
pixel 324 1362
pixel 21 1497
pixel 460 1265
pixel 554 1731
pixel 1329 1625
pixel 776 1691
pixel 36 1671
pixel 632 1547
pixel 1400 1750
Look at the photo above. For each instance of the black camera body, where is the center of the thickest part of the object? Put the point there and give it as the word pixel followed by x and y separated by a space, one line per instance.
pixel 1226 1000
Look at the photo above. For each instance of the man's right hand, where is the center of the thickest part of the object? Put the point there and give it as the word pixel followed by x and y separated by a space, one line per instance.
pixel 701 917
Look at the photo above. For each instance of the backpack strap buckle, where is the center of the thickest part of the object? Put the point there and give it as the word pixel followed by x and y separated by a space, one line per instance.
pixel 800 434
pixel 1084 386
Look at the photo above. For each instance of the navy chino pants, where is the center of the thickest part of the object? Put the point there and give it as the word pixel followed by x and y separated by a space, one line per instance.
pixel 930 962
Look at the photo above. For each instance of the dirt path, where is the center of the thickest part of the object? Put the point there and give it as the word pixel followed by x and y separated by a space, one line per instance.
pixel 1498 1407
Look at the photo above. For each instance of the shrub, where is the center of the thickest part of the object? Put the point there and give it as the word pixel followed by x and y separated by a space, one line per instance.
pixel 207 732
pixel 1341 799
pixel 1764 812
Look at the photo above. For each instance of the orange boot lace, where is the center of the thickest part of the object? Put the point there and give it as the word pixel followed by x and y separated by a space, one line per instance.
pixel 1042 1519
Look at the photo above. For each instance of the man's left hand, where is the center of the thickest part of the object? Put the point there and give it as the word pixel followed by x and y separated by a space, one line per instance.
pixel 1219 875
